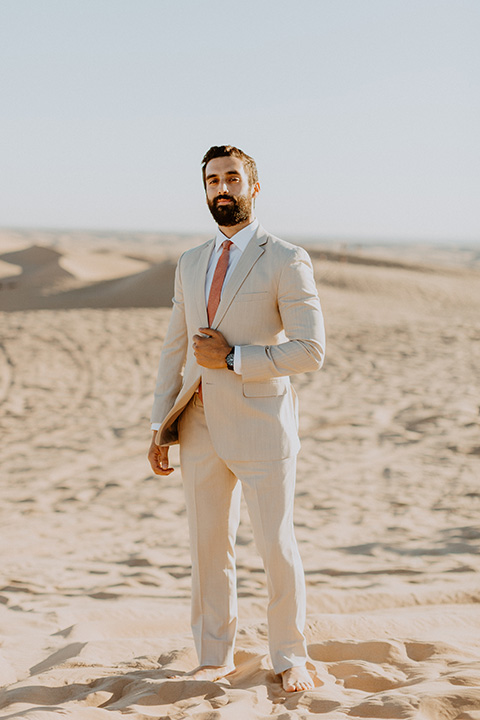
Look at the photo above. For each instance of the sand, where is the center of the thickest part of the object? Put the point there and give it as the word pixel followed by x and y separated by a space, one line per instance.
pixel 95 570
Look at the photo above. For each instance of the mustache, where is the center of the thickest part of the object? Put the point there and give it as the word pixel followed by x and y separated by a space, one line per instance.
pixel 223 197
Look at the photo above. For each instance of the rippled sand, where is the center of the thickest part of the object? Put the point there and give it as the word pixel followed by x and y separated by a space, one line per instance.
pixel 95 571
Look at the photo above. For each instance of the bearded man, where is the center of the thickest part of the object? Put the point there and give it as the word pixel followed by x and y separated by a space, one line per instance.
pixel 245 317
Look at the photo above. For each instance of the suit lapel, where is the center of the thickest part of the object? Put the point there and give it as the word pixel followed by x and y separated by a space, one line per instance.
pixel 249 257
pixel 200 275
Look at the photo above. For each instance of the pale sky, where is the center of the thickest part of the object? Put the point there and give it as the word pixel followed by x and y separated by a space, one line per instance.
pixel 363 115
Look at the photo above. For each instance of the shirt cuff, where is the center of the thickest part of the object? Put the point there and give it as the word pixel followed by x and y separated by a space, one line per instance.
pixel 237 360
pixel 155 426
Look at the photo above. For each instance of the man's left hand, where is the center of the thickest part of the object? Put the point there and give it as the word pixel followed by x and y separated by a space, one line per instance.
pixel 212 350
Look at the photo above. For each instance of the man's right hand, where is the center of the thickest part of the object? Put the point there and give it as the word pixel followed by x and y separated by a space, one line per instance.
pixel 158 458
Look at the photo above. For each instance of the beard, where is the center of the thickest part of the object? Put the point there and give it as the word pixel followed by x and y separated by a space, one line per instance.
pixel 227 215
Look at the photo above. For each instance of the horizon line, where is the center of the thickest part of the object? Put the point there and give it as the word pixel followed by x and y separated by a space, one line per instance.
pixel 308 237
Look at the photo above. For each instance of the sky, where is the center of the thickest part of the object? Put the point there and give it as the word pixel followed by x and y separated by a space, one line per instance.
pixel 363 115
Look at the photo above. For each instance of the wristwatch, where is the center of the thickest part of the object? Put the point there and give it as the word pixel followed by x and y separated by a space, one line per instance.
pixel 229 359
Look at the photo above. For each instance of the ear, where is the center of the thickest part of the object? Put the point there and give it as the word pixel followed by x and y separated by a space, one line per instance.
pixel 256 190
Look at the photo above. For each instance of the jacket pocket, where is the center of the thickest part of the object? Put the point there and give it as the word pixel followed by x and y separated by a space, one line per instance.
pixel 265 389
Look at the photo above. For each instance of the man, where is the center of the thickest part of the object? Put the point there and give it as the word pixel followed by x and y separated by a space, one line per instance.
pixel 245 317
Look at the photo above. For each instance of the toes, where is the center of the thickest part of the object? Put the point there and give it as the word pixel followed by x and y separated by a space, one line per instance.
pixel 293 683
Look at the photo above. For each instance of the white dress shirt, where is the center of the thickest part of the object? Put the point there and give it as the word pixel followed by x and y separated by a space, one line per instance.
pixel 240 241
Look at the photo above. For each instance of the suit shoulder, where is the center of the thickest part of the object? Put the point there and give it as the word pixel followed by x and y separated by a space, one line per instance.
pixel 286 249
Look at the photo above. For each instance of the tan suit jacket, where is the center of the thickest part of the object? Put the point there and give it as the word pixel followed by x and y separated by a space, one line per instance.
pixel 270 308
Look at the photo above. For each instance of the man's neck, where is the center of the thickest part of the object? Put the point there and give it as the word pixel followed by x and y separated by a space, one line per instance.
pixel 232 230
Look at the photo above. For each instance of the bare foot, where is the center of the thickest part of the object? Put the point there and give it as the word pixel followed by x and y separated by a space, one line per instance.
pixel 210 673
pixel 296 679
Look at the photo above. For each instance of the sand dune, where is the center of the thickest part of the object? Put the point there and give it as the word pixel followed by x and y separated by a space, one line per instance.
pixel 8 270
pixel 52 280
pixel 151 288
pixel 98 266
pixel 40 265
pixel 95 571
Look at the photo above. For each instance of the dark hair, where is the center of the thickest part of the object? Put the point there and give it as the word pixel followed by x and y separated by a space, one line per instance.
pixel 231 151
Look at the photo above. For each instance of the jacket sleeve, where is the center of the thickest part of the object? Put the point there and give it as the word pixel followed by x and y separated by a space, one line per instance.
pixel 172 357
pixel 302 319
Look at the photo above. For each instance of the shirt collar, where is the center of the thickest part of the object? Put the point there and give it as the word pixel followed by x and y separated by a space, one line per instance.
pixel 240 239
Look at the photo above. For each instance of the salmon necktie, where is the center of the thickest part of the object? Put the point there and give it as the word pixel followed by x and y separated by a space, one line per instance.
pixel 217 282
pixel 216 289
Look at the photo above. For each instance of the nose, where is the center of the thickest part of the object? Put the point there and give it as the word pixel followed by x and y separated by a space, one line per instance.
pixel 222 188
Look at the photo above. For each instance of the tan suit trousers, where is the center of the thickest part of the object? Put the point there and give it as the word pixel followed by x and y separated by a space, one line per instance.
pixel 212 490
